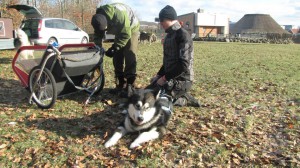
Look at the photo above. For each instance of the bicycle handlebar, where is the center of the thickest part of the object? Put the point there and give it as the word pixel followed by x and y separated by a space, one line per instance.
pixel 55 50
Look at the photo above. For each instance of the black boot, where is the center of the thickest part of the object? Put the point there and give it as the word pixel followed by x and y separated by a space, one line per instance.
pixel 181 101
pixel 131 80
pixel 120 85
pixel 130 83
pixel 191 101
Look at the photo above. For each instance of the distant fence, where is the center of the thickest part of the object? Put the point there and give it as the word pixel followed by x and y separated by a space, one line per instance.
pixel 296 38
pixel 272 38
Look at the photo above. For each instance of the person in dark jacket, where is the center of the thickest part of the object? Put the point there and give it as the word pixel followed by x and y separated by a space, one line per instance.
pixel 119 19
pixel 176 74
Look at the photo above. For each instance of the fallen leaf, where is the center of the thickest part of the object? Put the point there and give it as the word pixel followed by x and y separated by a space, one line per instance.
pixel 12 123
pixel 133 156
pixel 17 160
pixel 139 86
pixel 3 146
pixel 217 135
pixel 43 138
pixel 291 126
pixel 109 102
pixel 238 145
pixel 236 156
pixel 105 135
pixel 236 161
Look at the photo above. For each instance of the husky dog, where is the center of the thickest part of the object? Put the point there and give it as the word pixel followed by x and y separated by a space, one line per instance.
pixel 147 113
pixel 24 41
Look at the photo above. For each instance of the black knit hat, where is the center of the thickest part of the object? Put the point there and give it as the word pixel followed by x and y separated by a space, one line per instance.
pixel 99 22
pixel 168 12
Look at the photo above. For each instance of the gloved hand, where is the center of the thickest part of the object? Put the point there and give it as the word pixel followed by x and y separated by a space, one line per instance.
pixel 161 81
pixel 154 79
pixel 111 51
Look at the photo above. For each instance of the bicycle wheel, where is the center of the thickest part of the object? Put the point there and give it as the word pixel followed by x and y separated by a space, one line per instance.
pixel 44 90
pixel 94 79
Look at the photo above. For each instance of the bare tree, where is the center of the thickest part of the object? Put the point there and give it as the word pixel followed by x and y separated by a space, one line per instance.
pixel 78 11
pixel 61 7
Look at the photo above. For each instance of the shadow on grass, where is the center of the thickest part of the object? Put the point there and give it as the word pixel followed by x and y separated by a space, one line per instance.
pixel 97 123
pixel 81 96
pixel 297 101
pixel 94 124
pixel 12 93
pixel 5 60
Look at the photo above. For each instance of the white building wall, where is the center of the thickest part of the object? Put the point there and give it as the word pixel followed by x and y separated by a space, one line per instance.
pixel 207 19
pixel 204 19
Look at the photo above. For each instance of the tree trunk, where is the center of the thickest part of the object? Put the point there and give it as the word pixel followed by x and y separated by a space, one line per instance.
pixel 61 8
pixel 82 13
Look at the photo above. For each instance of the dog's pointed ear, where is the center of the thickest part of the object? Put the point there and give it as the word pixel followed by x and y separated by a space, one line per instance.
pixel 130 90
pixel 156 92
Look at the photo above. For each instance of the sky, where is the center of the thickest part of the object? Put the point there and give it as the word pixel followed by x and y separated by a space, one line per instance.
pixel 284 12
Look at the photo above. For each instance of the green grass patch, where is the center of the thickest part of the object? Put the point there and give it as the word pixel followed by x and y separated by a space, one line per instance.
pixel 250 116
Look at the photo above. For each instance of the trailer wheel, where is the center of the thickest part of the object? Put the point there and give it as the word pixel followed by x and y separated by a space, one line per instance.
pixel 43 89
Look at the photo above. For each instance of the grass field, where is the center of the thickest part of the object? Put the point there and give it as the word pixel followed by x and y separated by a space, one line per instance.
pixel 250 115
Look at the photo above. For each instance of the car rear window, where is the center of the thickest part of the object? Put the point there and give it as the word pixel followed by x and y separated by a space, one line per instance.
pixel 32 24
pixel 30 27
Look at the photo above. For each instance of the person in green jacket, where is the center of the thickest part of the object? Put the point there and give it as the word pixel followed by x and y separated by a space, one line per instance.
pixel 120 20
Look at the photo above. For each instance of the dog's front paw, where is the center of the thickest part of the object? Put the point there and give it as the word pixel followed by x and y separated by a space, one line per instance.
pixel 134 145
pixel 109 144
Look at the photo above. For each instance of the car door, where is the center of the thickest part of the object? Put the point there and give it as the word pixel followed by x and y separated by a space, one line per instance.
pixel 59 31
pixel 74 33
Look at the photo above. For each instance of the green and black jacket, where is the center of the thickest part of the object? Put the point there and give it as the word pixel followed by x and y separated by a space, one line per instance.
pixel 121 21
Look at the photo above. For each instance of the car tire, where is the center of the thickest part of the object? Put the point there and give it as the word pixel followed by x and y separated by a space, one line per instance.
pixel 84 40
pixel 51 40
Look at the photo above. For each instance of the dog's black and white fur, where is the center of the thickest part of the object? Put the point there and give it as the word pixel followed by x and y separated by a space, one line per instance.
pixel 24 41
pixel 148 114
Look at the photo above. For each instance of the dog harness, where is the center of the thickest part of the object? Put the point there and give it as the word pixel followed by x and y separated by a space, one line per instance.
pixel 166 102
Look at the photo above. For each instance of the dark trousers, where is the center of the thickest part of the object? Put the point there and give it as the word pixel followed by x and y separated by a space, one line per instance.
pixel 127 54
pixel 175 88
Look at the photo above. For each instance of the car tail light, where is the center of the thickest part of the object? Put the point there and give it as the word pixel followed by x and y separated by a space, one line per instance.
pixel 40 25
pixel 39 28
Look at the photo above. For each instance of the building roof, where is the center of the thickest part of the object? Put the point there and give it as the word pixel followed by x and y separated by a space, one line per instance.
pixel 294 31
pixel 192 13
pixel 257 23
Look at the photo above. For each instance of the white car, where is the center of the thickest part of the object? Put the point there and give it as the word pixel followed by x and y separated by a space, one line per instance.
pixel 42 31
